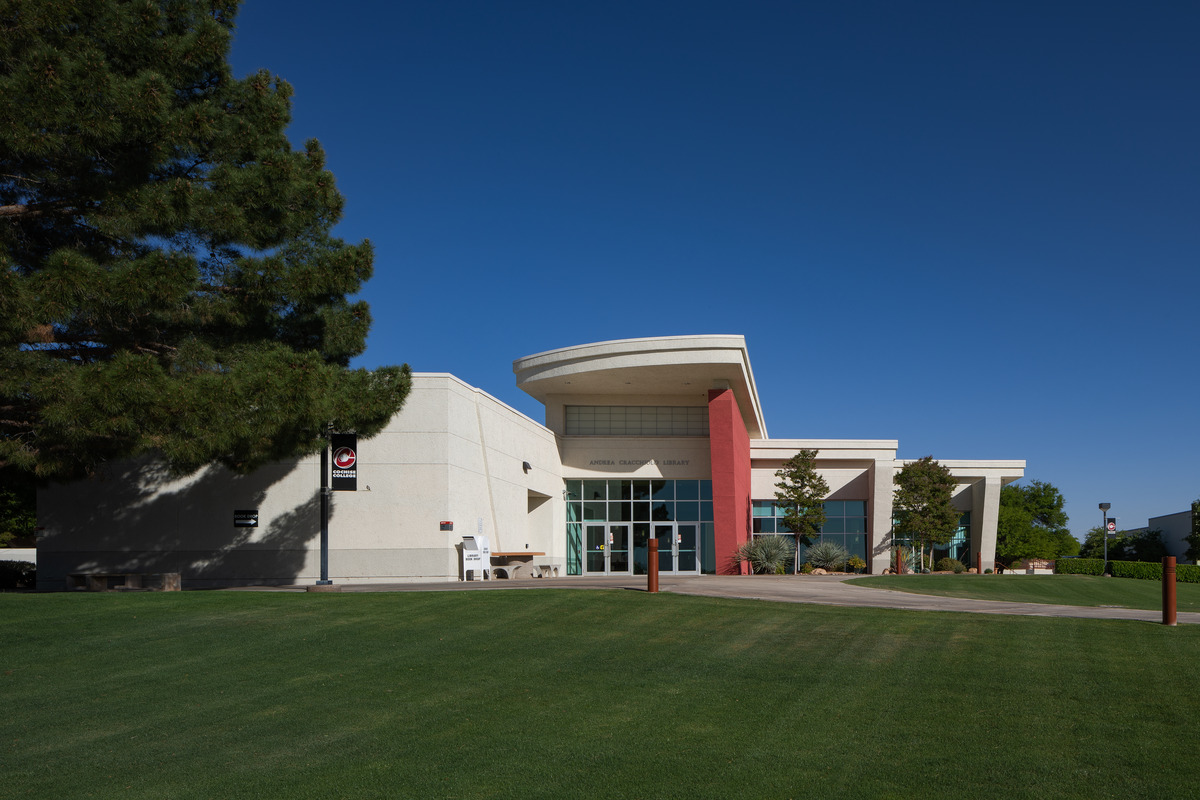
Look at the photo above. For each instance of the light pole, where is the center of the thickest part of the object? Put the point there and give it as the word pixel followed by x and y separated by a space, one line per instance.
pixel 1104 507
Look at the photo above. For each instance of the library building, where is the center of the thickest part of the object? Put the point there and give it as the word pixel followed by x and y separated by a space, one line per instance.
pixel 657 438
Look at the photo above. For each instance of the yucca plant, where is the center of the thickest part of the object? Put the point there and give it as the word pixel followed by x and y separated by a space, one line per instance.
pixel 828 555
pixel 767 555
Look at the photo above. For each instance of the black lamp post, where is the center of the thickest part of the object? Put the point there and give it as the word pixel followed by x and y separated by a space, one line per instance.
pixel 1104 507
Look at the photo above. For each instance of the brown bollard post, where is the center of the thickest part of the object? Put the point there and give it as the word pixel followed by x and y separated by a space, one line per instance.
pixel 652 566
pixel 979 563
pixel 1169 590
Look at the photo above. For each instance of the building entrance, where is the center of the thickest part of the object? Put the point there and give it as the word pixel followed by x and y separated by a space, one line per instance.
pixel 677 547
pixel 607 549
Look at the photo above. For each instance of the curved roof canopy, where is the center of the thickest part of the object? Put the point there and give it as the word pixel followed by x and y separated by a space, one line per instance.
pixel 663 365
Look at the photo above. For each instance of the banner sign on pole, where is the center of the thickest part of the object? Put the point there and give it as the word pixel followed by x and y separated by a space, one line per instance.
pixel 345 462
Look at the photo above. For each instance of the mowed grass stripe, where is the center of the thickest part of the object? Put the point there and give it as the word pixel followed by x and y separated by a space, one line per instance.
pixel 594 694
pixel 1066 590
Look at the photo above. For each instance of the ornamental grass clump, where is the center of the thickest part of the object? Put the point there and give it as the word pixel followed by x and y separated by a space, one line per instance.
pixel 950 565
pixel 828 555
pixel 767 555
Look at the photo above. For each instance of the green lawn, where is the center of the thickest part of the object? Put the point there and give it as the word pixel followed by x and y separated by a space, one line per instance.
pixel 1066 590
pixel 596 694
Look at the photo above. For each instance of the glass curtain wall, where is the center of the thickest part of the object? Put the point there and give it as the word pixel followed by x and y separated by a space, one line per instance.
pixel 637 504
pixel 845 523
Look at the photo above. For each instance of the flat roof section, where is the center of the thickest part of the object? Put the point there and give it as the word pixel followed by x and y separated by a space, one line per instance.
pixel 663 365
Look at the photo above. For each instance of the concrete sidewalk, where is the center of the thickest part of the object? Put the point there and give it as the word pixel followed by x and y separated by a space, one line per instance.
pixel 830 590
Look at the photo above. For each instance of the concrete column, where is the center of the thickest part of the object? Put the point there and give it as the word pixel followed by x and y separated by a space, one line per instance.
pixel 881 484
pixel 985 516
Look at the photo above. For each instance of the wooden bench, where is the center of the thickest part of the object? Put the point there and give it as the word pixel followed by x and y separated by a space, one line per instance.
pixel 125 581
pixel 514 562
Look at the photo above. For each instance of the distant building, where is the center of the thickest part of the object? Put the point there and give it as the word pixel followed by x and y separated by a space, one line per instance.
pixel 1175 530
pixel 658 438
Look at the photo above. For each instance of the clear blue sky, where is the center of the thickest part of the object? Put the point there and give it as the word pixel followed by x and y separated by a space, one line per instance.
pixel 972 227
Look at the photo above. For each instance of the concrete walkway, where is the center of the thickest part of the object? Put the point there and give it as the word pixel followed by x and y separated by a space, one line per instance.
pixel 830 590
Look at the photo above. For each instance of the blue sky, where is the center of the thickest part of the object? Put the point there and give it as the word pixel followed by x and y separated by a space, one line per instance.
pixel 971 227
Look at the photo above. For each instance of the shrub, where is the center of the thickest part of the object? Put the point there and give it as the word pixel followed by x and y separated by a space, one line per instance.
pixel 828 555
pixel 950 565
pixel 807 568
pixel 1145 570
pixel 17 574
pixel 855 563
pixel 1079 566
pixel 767 555
pixel 987 571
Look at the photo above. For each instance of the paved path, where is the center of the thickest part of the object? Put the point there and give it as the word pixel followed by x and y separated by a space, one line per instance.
pixel 831 590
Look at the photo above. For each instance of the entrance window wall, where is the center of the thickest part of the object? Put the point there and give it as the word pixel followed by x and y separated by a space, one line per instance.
pixel 845 523
pixel 603 514
pixel 636 420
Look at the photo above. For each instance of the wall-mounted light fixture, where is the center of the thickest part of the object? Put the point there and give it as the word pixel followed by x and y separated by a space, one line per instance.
pixel 525 466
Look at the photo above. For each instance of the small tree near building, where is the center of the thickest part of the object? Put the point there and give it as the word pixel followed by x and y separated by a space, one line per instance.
pixel 925 515
pixel 801 494
pixel 1032 523
pixel 1193 538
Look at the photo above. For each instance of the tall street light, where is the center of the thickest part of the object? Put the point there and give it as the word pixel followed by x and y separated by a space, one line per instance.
pixel 1104 507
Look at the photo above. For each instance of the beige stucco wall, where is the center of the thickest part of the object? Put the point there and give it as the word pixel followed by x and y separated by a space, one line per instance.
pixel 452 453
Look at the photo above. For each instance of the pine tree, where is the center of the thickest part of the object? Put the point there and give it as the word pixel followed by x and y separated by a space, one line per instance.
pixel 923 509
pixel 168 277
pixel 801 494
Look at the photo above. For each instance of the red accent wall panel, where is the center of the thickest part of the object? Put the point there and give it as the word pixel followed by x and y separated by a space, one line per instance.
pixel 730 446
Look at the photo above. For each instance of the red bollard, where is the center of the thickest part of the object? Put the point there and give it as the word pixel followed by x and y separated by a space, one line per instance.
pixel 652 566
pixel 1168 590
pixel 979 563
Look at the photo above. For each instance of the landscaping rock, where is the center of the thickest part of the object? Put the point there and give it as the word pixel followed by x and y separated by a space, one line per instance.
pixel 819 571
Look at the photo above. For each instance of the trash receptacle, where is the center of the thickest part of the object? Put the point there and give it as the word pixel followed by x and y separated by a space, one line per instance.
pixel 476 558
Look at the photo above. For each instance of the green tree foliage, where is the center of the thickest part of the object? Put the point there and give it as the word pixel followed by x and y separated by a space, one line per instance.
pixel 168 277
pixel 801 493
pixel 1193 538
pixel 925 515
pixel 1032 523
pixel 18 508
pixel 1125 545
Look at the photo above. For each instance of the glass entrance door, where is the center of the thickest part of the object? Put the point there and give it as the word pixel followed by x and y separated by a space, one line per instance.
pixel 607 549
pixel 678 551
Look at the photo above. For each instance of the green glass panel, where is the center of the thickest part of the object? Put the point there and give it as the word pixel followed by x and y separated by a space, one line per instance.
pixel 766 525
pixel 574 548
pixel 834 525
pixel 688 511
pixel 762 508
pixel 706 490
pixel 574 512
pixel 641 512
pixel 620 512
pixel 706 511
pixel 662 490
pixel 856 524
pixel 595 490
pixel 662 512
pixel 620 490
pixel 687 490
pixel 856 508
pixel 594 511
pixel 641 490
pixel 575 490
pixel 835 508
pixel 856 543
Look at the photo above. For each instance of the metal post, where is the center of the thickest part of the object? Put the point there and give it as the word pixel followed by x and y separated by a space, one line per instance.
pixel 1168 590
pixel 652 566
pixel 979 563
pixel 1104 507
pixel 325 516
